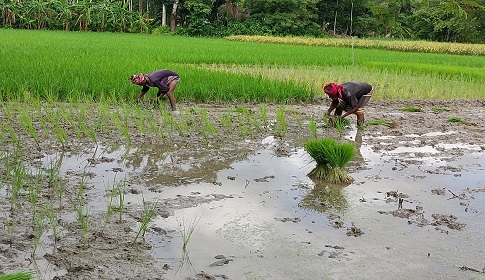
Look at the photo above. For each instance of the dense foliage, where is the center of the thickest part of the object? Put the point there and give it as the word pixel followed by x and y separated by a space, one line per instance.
pixel 434 20
pixel 74 66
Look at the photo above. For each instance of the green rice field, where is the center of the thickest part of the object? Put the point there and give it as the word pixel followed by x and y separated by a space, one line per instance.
pixel 76 66
pixel 96 186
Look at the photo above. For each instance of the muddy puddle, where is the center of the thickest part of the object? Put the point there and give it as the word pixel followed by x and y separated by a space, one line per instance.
pixel 413 212
pixel 244 208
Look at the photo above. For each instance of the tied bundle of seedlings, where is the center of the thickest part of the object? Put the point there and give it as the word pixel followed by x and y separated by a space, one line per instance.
pixel 17 276
pixel 330 156
pixel 456 119
pixel 382 122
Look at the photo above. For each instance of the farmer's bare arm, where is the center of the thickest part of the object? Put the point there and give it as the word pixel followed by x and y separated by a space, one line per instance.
pixel 142 92
pixel 351 111
pixel 140 96
pixel 332 107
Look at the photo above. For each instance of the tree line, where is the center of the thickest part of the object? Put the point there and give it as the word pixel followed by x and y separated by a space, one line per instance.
pixel 433 20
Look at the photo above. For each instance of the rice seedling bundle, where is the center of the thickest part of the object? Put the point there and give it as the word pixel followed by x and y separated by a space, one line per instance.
pixel 17 276
pixel 381 122
pixel 330 156
pixel 410 109
pixel 457 119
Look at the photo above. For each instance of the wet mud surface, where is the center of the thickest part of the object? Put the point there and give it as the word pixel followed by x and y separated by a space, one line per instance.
pixel 239 205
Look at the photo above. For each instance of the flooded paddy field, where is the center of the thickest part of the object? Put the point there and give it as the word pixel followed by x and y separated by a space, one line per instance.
pixel 241 206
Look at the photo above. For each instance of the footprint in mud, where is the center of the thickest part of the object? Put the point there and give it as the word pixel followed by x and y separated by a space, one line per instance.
pixel 284 220
pixel 222 260
pixel 354 231
pixel 264 179
pixel 336 222
pixel 336 252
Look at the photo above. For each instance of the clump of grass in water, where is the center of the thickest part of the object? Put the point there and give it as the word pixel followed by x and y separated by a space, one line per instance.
pixel 456 119
pixel 330 157
pixel 381 122
pixel 411 109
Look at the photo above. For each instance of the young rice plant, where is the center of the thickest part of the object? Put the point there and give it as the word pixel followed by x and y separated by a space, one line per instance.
pixel 330 156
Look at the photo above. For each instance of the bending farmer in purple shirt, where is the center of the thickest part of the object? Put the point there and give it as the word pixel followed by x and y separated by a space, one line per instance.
pixel 350 97
pixel 164 80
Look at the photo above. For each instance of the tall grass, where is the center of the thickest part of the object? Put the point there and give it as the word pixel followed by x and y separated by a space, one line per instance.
pixel 96 66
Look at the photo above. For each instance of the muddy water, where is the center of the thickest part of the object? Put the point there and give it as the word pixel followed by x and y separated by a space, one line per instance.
pixel 261 217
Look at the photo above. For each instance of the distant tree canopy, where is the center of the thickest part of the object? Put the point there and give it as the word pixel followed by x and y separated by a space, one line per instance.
pixel 434 20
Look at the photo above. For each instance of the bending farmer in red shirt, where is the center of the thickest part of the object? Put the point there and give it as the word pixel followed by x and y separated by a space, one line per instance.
pixel 350 97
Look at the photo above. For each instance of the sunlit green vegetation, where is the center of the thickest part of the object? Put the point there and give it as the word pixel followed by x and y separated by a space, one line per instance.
pixel 395 45
pixel 71 66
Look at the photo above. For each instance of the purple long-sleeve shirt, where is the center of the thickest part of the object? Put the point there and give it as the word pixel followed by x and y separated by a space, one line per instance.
pixel 156 80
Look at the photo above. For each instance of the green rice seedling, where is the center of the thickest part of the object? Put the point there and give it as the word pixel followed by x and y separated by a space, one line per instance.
pixel 313 127
pixel 246 120
pixel 38 231
pixel 381 122
pixel 243 128
pixel 104 112
pixel 156 128
pixel 281 120
pixel 146 217
pixel 116 119
pixel 440 109
pixel 82 120
pixel 138 121
pixel 82 211
pixel 119 190
pixel 207 128
pixel 58 129
pixel 168 122
pixel 52 219
pixel 109 196
pixel 181 125
pixel 8 223
pixel 339 124
pixel 17 276
pixel 34 189
pixel 330 157
pixel 84 221
pixel 13 136
pixel 186 232
pixel 226 121
pixel 255 122
pixel 298 121
pixel 263 114
pixel 457 119
pixel 54 176
pixel 28 126
pixel 17 172
pixel 410 109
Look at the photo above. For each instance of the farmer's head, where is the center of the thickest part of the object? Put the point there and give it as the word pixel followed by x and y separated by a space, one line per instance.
pixel 137 79
pixel 333 90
